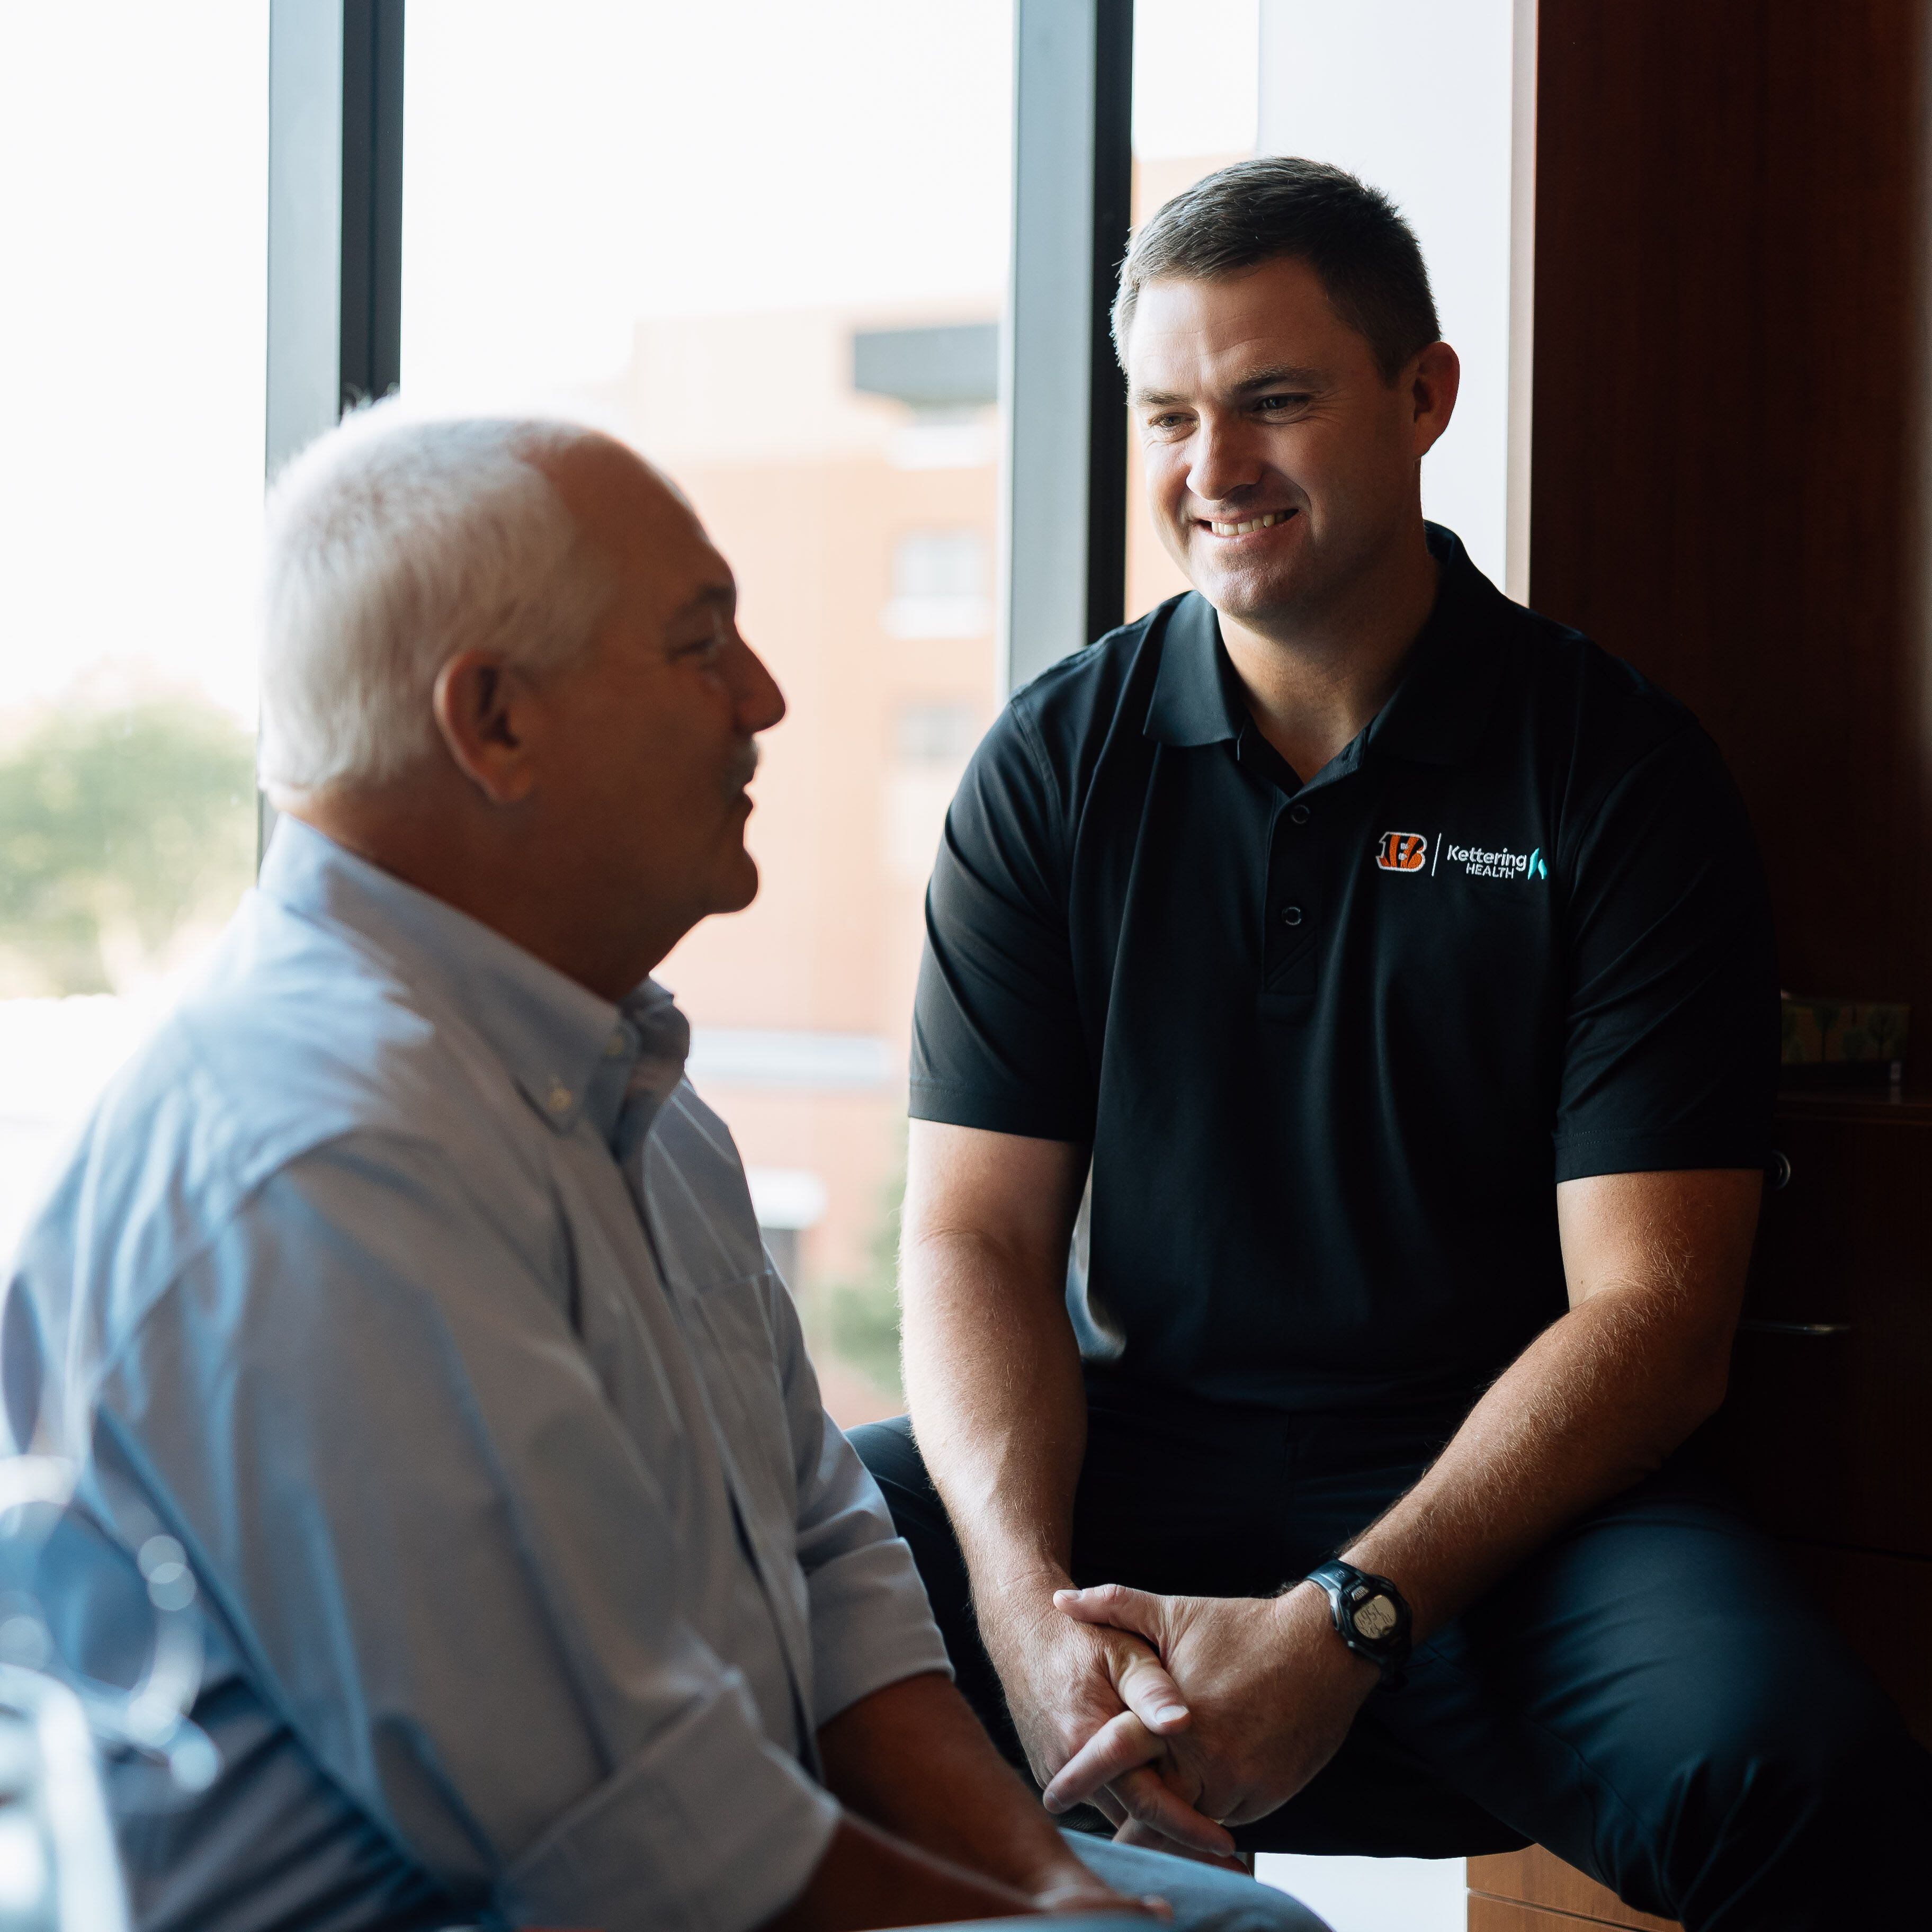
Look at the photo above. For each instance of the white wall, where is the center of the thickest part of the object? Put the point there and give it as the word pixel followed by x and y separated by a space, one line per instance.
pixel 1414 96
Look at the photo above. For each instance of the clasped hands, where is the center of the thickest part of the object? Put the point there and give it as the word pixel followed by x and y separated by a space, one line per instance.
pixel 1180 1716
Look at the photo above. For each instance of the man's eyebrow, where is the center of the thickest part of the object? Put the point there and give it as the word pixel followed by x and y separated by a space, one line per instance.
pixel 1256 379
pixel 1282 372
pixel 723 596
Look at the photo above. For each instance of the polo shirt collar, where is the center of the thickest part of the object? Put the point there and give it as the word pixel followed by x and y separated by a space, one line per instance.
pixel 569 1052
pixel 1438 710
pixel 1197 698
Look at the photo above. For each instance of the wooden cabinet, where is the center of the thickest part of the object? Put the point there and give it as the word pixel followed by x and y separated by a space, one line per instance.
pixel 1535 1891
pixel 1501 1914
pixel 1828 1429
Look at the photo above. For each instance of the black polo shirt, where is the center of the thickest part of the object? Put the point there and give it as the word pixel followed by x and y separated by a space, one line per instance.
pixel 1333 1045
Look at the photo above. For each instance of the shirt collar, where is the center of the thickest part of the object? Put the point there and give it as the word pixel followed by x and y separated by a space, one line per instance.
pixel 1438 710
pixel 568 1050
pixel 1197 698
pixel 1442 703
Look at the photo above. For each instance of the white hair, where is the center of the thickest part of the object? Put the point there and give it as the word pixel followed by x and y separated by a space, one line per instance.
pixel 393 544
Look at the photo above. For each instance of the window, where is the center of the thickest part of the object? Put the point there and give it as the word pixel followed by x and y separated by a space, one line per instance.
pixel 939 586
pixel 769 245
pixel 1434 130
pixel 935 734
pixel 133 230
pixel 1194 111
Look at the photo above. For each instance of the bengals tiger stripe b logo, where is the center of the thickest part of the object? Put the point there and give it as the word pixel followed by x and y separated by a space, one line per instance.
pixel 1402 852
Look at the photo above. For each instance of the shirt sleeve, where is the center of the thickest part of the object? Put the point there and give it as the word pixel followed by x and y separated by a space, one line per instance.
pixel 1670 1050
pixel 997 1039
pixel 871 1625
pixel 447 1563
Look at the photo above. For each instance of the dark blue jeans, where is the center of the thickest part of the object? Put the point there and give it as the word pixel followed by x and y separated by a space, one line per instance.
pixel 1654 1696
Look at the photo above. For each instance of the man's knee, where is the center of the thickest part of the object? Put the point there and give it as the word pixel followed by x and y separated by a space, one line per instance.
pixel 1203 1899
pixel 1792 1792
pixel 888 1451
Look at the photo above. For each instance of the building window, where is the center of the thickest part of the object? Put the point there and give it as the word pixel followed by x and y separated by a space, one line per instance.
pixel 935 734
pixel 939 586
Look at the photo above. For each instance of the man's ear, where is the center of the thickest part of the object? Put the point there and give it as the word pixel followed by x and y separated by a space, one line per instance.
pixel 483 709
pixel 1432 380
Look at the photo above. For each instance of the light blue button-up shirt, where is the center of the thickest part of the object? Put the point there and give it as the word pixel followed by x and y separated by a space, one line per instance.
pixel 408 1284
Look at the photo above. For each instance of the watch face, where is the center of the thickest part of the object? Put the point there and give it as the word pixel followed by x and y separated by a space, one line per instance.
pixel 1375 1619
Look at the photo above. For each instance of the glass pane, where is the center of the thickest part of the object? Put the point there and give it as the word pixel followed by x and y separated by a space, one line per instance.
pixel 1415 97
pixel 1195 64
pixel 769 242
pixel 133 147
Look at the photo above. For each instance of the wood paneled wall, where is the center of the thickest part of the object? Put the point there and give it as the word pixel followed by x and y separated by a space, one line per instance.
pixel 1730 450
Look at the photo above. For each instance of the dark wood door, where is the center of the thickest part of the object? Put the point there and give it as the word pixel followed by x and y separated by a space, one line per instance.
pixel 1730 463
pixel 1729 444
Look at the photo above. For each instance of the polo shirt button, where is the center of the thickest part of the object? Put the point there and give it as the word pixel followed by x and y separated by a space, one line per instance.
pixel 1298 815
pixel 1290 915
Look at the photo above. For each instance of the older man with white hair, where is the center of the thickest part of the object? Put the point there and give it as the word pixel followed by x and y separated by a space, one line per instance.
pixel 405 1283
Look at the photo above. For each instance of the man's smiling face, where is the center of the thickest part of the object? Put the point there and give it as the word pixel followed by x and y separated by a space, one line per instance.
pixel 1280 464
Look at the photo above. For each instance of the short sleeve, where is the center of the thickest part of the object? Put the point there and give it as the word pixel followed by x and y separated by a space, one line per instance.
pixel 997 1042
pixel 1670 1043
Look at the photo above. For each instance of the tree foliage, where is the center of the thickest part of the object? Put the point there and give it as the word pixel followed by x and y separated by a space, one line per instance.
pixel 863 1314
pixel 118 827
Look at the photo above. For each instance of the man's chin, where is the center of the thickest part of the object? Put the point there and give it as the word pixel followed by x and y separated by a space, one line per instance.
pixel 1250 599
pixel 739 886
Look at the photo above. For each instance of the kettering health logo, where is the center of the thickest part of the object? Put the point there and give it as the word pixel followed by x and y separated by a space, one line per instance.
pixel 1415 852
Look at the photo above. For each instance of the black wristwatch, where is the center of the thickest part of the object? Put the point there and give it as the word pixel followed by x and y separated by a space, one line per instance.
pixel 1370 1616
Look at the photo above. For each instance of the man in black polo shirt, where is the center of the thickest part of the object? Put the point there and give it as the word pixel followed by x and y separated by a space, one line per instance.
pixel 1391 970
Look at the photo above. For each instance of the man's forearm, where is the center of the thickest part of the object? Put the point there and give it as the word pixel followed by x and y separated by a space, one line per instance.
pixel 936 1828
pixel 1597 1401
pixel 912 1759
pixel 993 1386
pixel 868 1879
pixel 1656 1264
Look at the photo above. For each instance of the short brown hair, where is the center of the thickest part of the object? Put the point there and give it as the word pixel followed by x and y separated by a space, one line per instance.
pixel 1277 207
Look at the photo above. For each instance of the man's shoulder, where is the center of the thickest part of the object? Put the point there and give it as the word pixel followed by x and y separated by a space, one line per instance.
pixel 1086 692
pixel 1595 711
pixel 1090 705
pixel 293 1039
pixel 298 1033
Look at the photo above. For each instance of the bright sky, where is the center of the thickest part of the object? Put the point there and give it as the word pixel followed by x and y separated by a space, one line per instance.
pixel 570 167
pixel 744 155
pixel 133 153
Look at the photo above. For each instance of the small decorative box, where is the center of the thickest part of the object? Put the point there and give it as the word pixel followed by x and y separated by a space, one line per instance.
pixel 1846 1043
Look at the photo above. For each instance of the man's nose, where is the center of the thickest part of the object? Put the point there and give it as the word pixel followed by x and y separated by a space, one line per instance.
pixel 760 703
pixel 1220 462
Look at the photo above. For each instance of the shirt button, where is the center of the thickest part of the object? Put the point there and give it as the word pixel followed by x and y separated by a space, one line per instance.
pixel 1298 815
pixel 614 1047
pixel 558 1098
pixel 1290 915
